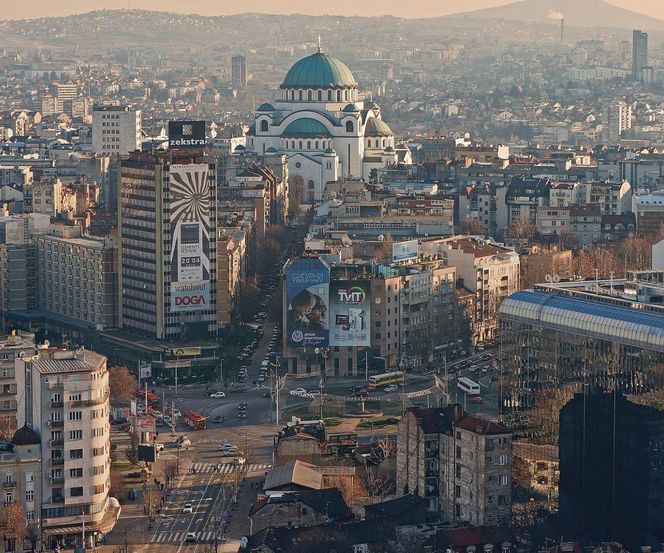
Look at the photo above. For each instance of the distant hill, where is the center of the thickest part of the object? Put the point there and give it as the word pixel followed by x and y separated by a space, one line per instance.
pixel 582 13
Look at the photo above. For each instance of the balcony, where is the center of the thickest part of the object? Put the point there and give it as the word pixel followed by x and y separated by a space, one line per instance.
pixel 56 405
pixel 90 402
pixel 56 424
pixel 57 480
pixel 9 485
pixel 58 499
pixel 58 461
pixel 56 443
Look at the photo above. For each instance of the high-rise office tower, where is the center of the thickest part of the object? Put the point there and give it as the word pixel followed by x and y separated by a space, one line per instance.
pixel 167 229
pixel 239 71
pixel 619 119
pixel 639 54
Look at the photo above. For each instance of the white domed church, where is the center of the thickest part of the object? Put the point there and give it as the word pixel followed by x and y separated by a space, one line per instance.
pixel 317 121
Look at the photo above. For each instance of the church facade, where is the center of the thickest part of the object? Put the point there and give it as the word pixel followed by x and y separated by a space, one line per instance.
pixel 319 123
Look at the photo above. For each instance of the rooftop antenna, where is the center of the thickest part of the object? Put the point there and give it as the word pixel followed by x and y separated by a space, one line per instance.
pixel 318 50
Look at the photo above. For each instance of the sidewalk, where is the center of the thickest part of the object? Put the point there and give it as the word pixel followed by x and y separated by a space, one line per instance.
pixel 238 523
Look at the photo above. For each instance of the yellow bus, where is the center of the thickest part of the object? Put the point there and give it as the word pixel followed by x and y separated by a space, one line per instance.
pixel 384 379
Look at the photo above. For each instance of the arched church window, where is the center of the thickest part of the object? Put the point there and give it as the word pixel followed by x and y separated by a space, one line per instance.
pixel 349 126
pixel 369 143
pixel 316 145
pixel 300 144
pixel 329 95
pixel 320 95
pixel 292 95
pixel 338 95
pixel 300 95
pixel 308 144
pixel 309 97
pixel 263 125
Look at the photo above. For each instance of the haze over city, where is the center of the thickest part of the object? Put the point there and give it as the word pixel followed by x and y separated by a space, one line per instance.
pixel 416 8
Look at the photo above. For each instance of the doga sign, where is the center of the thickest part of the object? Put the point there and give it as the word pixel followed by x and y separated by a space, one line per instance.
pixel 190 296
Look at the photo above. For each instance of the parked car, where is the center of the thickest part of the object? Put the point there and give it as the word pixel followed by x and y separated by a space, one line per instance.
pixel 298 392
pixel 218 395
pixel 218 419
pixel 242 415
pixel 476 399
pixel 225 445
pixel 191 537
pixel 391 388
pixel 243 406
pixel 188 508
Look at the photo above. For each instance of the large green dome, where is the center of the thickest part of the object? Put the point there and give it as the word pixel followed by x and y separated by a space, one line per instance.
pixel 319 71
pixel 304 128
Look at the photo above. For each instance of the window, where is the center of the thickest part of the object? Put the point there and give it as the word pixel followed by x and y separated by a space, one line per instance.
pixel 457 491
pixel 502 459
pixel 99 488
pixel 75 415
pixel 300 95
pixel 30 515
pixel 97 432
pixel 338 95
pixel 502 500
pixel 76 492
pixel 264 125
pixel 29 495
pixel 349 126
pixel 458 471
pixel 97 451
pixel 458 452
pixel 96 471
pixel 9 497
pixel 75 397
pixel 502 480
pixel 309 97
pixel 76 454
pixel 75 434
pixel 75 473
pixel 329 95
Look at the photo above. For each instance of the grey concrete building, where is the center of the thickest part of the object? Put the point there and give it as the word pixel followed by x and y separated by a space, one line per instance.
pixel 460 463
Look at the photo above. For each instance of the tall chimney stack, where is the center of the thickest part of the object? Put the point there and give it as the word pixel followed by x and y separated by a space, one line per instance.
pixel 562 31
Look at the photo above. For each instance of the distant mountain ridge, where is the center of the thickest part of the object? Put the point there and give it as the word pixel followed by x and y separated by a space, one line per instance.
pixel 581 13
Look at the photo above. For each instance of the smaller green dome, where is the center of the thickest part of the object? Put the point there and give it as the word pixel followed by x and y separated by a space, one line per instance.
pixel 350 108
pixel 271 150
pixel 305 127
pixel 267 106
pixel 329 151
pixel 377 127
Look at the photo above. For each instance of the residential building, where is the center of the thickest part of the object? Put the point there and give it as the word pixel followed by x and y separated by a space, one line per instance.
pixel 16 345
pixel 585 223
pixel 649 210
pixel 231 270
pixel 66 397
pixel 460 463
pixel 78 276
pixel 162 296
pixel 303 508
pixel 116 130
pixel 610 488
pixel 488 271
pixel 552 221
pixel 618 120
pixel 239 71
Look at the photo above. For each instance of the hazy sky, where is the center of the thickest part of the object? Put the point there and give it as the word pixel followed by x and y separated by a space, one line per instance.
pixel 412 8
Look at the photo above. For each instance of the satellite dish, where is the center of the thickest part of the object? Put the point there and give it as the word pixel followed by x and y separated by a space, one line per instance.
pixel 556 278
pixel 244 542
pixel 548 278
pixel 381 238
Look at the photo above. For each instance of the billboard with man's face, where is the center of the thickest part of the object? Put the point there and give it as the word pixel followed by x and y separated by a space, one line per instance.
pixel 350 313
pixel 307 299
pixel 190 234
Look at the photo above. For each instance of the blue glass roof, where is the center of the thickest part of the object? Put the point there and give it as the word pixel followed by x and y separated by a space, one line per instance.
pixel 594 318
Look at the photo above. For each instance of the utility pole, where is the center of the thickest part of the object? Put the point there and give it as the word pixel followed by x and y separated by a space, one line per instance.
pixel 366 365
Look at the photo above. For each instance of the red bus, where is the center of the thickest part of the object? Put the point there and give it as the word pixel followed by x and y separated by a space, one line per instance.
pixel 153 399
pixel 194 419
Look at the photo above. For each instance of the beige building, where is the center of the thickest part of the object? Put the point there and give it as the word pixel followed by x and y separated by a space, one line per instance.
pixel 488 271
pixel 11 348
pixel 77 276
pixel 67 400
pixel 52 197
pixel 231 269
pixel 460 463
pixel 116 130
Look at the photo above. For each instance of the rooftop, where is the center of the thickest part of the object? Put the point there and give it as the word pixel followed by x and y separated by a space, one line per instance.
pixel 60 361
pixel 319 71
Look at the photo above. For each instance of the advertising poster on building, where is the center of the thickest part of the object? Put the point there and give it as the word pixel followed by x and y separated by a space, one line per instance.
pixel 190 232
pixel 350 313
pixel 183 135
pixel 307 296
pixel 404 251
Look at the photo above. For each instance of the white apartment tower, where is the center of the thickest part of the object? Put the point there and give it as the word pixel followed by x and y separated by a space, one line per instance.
pixel 115 130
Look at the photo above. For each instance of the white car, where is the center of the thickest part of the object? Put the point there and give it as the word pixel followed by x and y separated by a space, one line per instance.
pixel 218 395
pixel 191 537
pixel 188 508
pixel 391 388
pixel 224 446
pixel 298 392
pixel 177 413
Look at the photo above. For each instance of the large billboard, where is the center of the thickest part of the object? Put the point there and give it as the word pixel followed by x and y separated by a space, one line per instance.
pixel 307 299
pixel 404 251
pixel 183 135
pixel 190 237
pixel 350 313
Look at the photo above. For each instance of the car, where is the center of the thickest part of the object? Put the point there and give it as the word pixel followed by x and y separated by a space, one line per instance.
pixel 477 400
pixel 298 392
pixel 190 537
pixel 218 419
pixel 261 378
pixel 177 413
pixel 243 406
pixel 218 395
pixel 188 508
pixel 391 388
pixel 313 392
pixel 159 447
pixel 230 452
pixel 238 390
pixel 242 415
pixel 225 445
pixel 485 370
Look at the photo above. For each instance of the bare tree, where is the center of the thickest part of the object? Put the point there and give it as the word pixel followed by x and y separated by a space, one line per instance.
pixel 151 499
pixel 520 232
pixel 122 383
pixel 170 472
pixel 377 484
pixel 384 251
pixel 295 195
pixel 473 226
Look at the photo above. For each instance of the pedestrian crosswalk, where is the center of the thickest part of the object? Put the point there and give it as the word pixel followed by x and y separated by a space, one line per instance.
pixel 178 537
pixel 226 468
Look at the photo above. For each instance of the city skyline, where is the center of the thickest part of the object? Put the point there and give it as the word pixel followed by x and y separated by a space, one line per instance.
pixel 419 9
